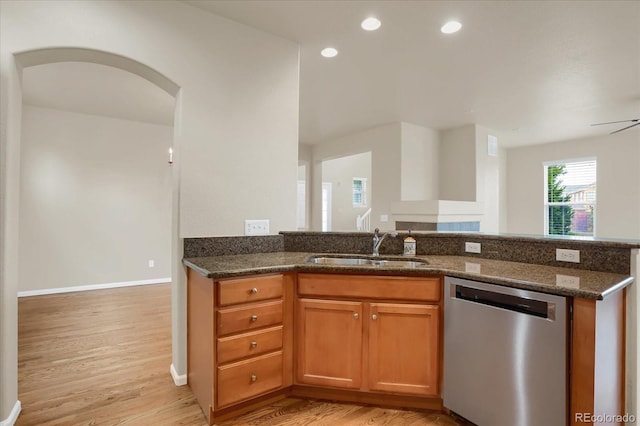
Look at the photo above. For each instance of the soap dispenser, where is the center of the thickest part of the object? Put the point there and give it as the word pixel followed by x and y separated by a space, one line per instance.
pixel 409 245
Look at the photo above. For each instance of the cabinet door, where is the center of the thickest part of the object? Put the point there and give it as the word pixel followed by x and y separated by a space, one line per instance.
pixel 404 348
pixel 329 343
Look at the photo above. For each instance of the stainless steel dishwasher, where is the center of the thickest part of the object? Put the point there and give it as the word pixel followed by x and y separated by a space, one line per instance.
pixel 505 355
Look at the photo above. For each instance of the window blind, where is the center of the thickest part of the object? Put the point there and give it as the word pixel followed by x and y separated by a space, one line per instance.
pixel 570 197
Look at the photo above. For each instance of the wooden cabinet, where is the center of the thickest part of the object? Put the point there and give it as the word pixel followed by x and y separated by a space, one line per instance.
pixel 248 316
pixel 249 344
pixel 404 348
pixel 239 339
pixel 383 346
pixel 248 378
pixel 246 290
pixel 329 343
pixel 374 338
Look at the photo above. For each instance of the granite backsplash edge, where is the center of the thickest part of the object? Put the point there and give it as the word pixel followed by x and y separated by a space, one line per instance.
pixel 604 256
pixel 222 246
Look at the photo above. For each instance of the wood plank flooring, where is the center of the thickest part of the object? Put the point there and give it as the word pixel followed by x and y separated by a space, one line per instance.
pixel 102 358
pixel 298 412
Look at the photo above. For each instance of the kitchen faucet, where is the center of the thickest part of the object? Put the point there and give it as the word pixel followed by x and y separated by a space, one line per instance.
pixel 377 240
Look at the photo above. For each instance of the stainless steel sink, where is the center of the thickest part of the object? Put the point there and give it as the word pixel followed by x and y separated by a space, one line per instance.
pixel 363 261
pixel 399 263
pixel 339 260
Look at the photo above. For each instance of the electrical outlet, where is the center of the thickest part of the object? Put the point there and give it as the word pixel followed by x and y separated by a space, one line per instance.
pixel 384 218
pixel 565 255
pixel 472 247
pixel 256 227
pixel 152 263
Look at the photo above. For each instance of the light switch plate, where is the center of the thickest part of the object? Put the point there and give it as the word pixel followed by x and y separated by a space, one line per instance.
pixel 566 255
pixel 256 227
pixel 472 247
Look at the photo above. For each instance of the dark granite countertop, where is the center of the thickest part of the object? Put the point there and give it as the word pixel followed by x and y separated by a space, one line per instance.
pixel 547 279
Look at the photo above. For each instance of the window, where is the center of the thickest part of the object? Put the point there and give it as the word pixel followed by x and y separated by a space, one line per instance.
pixel 570 197
pixel 359 192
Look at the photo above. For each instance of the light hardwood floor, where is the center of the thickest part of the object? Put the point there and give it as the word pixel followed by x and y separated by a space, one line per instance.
pixel 102 358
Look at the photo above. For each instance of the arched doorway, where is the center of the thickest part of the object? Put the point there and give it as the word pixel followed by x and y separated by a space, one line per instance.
pixel 11 204
pixel 95 185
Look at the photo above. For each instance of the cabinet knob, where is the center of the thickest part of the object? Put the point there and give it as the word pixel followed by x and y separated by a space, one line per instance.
pixel 374 317
pixel 254 378
pixel 253 290
pixel 356 315
pixel 254 318
pixel 254 345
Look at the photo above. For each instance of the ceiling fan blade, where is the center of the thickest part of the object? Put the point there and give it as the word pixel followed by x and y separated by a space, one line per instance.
pixel 625 128
pixel 635 120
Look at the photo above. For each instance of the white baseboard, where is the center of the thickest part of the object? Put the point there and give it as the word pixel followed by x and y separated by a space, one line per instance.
pixel 13 416
pixel 91 287
pixel 179 380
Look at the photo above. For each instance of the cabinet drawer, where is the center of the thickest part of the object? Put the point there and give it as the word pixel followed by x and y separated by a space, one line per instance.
pixel 243 290
pixel 249 344
pixel 370 287
pixel 249 378
pixel 248 317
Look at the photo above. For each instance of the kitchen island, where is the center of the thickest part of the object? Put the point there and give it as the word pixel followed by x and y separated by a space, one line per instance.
pixel 296 297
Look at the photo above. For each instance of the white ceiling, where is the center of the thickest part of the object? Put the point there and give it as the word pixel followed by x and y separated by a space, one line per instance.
pixel 98 90
pixel 531 71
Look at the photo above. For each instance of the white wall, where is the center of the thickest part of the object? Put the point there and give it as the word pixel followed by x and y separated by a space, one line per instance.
pixel 10 119
pixel 419 163
pixel 240 97
pixel 237 107
pixel 488 181
pixel 502 184
pixel 304 164
pixel 416 163
pixel 95 199
pixel 340 173
pixel 458 164
pixel 618 188
pixel 633 332
pixel 384 144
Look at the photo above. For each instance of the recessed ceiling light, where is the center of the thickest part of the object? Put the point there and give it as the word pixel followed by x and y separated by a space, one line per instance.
pixel 329 52
pixel 451 27
pixel 371 24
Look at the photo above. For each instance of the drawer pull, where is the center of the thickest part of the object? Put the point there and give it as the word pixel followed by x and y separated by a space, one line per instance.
pixel 374 317
pixel 254 318
pixel 254 345
pixel 356 315
pixel 253 290
pixel 254 378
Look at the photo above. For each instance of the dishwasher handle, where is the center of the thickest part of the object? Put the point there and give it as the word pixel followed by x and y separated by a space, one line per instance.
pixel 537 308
